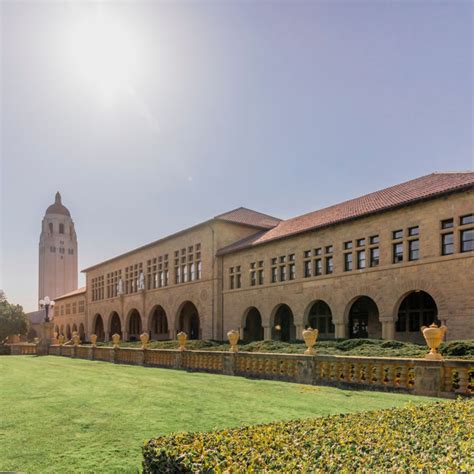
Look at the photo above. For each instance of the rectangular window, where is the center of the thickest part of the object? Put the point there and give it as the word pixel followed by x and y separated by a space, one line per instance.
pixel 292 271
pixel 318 267
pixel 447 244
pixel 467 240
pixel 260 277
pixel 413 250
pixel 253 278
pixel 318 251
pixel 232 282
pixel 361 259
pixel 397 234
pixel 329 265
pixel 283 259
pixel 374 239
pixel 374 257
pixel 348 245
pixel 283 273
pixel 238 280
pixel 413 231
pixel 397 253
pixel 329 249
pixel 274 274
pixel 468 219
pixel 447 224
pixel 307 268
pixel 292 257
pixel 347 262
pixel 307 254
pixel 360 242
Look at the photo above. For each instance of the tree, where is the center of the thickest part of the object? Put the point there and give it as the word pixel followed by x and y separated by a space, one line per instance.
pixel 13 319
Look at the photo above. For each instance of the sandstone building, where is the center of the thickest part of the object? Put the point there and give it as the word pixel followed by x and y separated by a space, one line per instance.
pixel 378 266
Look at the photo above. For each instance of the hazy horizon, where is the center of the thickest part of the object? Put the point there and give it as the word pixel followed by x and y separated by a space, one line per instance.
pixel 198 108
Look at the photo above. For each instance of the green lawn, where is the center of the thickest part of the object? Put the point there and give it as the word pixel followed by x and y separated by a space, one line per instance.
pixel 70 415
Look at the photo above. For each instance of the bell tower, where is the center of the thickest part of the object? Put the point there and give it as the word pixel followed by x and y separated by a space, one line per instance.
pixel 57 252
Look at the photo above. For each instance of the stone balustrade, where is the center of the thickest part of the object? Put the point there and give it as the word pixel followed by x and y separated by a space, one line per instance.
pixel 23 348
pixel 418 376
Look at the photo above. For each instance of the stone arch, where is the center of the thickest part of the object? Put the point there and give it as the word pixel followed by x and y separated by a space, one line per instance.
pixel 416 309
pixel 363 318
pixel 188 320
pixel 252 324
pixel 349 298
pixel 82 332
pixel 62 330
pixel 158 324
pixel 74 327
pixel 98 327
pixel 401 291
pixel 318 315
pixel 115 325
pixel 134 325
pixel 68 332
pixel 282 323
pixel 56 329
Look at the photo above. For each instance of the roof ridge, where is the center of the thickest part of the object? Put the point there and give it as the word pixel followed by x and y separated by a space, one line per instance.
pixel 408 192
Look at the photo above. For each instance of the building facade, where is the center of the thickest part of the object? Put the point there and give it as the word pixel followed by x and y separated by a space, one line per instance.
pixel 378 266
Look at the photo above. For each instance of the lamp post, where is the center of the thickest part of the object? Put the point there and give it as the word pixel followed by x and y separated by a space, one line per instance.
pixel 46 303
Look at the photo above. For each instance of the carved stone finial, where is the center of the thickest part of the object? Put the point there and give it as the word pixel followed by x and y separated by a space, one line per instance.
pixel 182 338
pixel 310 336
pixel 433 336
pixel 233 336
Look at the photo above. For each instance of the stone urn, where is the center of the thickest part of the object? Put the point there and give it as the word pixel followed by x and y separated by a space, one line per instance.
pixel 76 340
pixel 116 340
pixel 61 339
pixel 233 337
pixel 310 336
pixel 93 339
pixel 433 336
pixel 145 338
pixel 182 338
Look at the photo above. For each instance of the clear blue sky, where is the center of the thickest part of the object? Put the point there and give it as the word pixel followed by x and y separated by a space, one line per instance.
pixel 284 107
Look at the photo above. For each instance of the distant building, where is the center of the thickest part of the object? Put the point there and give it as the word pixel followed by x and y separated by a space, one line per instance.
pixel 57 252
pixel 377 266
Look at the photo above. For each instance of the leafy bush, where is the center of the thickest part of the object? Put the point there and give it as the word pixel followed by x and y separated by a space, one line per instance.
pixel 425 438
pixel 4 350
pixel 458 348
pixel 356 347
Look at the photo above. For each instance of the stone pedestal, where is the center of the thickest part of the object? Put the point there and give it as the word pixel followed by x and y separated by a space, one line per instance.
pixel 428 379
pixel 46 336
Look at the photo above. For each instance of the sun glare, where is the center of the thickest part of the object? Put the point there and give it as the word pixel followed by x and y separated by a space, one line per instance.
pixel 103 54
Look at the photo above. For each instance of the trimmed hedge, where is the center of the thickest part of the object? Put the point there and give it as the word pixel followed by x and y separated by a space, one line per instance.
pixel 425 438
pixel 356 347
pixel 4 350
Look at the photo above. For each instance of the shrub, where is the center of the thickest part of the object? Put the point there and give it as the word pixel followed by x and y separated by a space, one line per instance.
pixel 425 438
pixel 458 348
pixel 4 350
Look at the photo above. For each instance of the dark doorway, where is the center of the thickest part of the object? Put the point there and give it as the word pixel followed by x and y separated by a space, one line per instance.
pixel 189 321
pixel 253 330
pixel 283 328
pixel 363 319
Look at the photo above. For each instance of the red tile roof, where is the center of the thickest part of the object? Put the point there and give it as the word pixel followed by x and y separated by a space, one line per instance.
pixel 79 291
pixel 245 216
pixel 426 187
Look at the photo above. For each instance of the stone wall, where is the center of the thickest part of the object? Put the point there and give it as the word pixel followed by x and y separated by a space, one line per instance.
pixel 418 376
